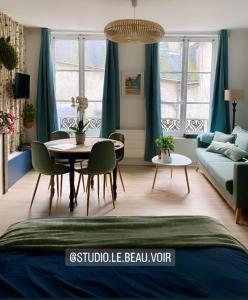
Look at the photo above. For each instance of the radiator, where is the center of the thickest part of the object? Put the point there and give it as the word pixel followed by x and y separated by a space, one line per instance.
pixel 135 146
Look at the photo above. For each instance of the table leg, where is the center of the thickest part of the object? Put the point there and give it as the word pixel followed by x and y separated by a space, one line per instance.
pixel 187 179
pixel 72 188
pixel 92 182
pixel 155 176
pixel 114 182
pixel 171 171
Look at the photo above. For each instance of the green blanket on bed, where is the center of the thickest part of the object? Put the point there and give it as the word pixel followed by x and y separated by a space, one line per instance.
pixel 59 234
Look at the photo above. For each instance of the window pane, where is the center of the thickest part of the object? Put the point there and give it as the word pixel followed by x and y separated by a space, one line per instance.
pixel 67 85
pixel 200 57
pixel 170 117
pixel 197 117
pixel 170 56
pixel 198 87
pixel 67 115
pixel 66 55
pixel 94 85
pixel 93 114
pixel 95 55
pixel 170 85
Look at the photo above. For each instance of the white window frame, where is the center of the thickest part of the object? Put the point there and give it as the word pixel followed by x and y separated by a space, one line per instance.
pixel 81 37
pixel 185 40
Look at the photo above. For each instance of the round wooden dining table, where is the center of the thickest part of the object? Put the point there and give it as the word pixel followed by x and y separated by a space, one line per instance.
pixel 68 149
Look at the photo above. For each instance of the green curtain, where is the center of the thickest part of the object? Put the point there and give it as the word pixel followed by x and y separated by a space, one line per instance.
pixel 47 119
pixel 153 101
pixel 111 92
pixel 220 118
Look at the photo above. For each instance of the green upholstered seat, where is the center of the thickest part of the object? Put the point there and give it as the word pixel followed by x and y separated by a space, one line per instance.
pixel 59 135
pixel 102 160
pixel 43 163
pixel 116 136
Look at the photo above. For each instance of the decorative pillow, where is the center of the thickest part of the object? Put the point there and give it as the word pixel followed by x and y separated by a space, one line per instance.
pixel 242 138
pixel 231 151
pixel 224 138
pixel 216 147
pixel 206 137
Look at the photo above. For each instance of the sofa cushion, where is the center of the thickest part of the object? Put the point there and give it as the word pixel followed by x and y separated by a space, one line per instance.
pixel 206 137
pixel 222 172
pixel 224 138
pixel 242 138
pixel 205 157
pixel 230 150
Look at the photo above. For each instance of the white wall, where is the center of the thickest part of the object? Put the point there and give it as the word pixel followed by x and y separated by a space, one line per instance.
pixel 32 38
pixel 238 71
pixel 132 58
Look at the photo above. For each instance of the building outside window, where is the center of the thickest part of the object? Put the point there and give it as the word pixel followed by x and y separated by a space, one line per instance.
pixel 186 79
pixel 79 71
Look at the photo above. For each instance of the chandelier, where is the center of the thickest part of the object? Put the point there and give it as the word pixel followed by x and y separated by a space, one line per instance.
pixel 134 30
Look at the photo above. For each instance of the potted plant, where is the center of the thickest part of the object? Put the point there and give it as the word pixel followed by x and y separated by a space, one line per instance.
pixel 166 144
pixel 79 131
pixel 8 54
pixel 28 115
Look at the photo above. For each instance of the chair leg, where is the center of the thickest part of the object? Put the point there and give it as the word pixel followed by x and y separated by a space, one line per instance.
pixel 81 165
pixel 88 194
pixel 98 185
pixel 61 185
pixel 83 182
pixel 104 185
pixel 112 191
pixel 122 183
pixel 51 194
pixel 49 185
pixel 78 185
pixel 106 181
pixel 57 183
pixel 238 215
pixel 35 190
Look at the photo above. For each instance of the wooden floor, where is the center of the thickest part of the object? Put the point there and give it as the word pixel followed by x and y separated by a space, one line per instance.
pixel 169 197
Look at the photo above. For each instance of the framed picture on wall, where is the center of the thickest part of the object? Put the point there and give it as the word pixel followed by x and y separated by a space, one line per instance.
pixel 132 84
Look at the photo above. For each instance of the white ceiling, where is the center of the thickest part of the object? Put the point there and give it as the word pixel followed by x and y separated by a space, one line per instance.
pixel 92 15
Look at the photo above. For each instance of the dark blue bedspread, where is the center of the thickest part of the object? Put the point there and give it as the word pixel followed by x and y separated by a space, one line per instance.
pixel 213 272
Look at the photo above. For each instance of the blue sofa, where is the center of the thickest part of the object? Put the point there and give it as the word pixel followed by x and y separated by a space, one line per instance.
pixel 229 178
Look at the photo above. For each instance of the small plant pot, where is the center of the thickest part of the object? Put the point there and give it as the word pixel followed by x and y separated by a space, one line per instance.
pixel 165 156
pixel 28 124
pixel 80 138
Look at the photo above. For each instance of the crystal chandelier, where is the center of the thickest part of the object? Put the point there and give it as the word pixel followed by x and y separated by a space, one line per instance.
pixel 134 30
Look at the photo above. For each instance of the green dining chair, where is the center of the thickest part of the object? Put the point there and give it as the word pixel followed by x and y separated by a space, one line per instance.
pixel 43 164
pixel 102 161
pixel 60 135
pixel 120 155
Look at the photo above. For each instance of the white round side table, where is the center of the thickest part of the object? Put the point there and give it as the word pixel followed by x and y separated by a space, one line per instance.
pixel 178 160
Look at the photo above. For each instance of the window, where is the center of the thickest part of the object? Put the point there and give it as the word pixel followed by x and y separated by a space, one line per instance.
pixel 79 71
pixel 186 75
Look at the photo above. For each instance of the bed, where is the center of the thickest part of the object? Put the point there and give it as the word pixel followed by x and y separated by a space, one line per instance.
pixel 210 262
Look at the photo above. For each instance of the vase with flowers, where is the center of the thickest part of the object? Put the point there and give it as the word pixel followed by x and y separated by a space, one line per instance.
pixel 7 122
pixel 81 103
